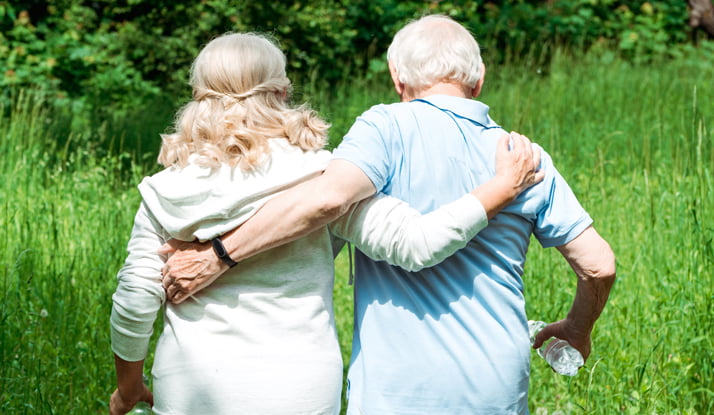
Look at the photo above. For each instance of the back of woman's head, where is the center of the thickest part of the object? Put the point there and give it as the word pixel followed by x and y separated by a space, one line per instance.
pixel 239 102
pixel 435 49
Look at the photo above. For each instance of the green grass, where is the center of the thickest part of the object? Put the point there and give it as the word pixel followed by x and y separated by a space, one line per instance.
pixel 634 142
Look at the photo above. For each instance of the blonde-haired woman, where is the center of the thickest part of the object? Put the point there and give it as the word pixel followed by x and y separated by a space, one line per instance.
pixel 262 338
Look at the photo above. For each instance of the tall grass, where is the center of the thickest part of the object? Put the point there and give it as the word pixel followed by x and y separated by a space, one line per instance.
pixel 634 142
pixel 636 145
pixel 65 216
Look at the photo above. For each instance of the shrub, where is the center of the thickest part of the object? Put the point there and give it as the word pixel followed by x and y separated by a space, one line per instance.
pixel 108 56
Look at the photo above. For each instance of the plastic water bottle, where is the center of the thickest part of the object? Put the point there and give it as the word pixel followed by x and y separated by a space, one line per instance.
pixel 141 408
pixel 560 355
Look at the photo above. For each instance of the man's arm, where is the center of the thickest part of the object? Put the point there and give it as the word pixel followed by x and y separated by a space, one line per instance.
pixel 317 202
pixel 593 261
pixel 295 213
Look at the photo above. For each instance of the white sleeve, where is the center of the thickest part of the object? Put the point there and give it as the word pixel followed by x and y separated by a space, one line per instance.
pixel 387 229
pixel 139 294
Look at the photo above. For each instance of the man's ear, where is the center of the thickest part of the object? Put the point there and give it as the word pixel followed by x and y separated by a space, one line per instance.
pixel 476 91
pixel 398 86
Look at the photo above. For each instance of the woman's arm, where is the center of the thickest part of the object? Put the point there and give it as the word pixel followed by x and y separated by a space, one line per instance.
pixel 193 266
pixel 136 302
pixel 139 292
pixel 130 387
pixel 387 229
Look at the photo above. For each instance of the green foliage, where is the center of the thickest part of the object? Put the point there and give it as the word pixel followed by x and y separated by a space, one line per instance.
pixel 642 168
pixel 641 30
pixel 73 53
pixel 105 57
pixel 55 269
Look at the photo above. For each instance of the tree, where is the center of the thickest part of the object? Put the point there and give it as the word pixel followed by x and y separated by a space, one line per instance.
pixel 701 16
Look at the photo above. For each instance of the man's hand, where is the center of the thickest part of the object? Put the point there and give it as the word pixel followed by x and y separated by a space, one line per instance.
pixel 284 218
pixel 191 266
pixel 565 330
pixel 120 405
pixel 593 261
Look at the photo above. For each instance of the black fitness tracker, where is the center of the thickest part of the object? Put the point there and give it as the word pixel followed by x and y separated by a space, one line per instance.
pixel 221 252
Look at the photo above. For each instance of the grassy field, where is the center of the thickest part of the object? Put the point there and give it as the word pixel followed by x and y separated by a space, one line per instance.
pixel 634 142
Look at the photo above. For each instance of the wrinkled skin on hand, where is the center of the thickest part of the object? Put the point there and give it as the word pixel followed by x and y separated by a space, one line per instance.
pixel 521 164
pixel 191 266
pixel 565 330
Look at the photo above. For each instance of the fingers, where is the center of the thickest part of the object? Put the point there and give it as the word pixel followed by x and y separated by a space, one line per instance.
pixel 503 142
pixel 173 291
pixel 166 278
pixel 520 141
pixel 532 152
pixel 179 297
pixel 176 294
pixel 536 151
pixel 522 144
pixel 169 284
pixel 538 176
pixel 542 336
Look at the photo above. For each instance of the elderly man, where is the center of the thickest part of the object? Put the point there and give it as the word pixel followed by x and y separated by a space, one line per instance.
pixel 452 338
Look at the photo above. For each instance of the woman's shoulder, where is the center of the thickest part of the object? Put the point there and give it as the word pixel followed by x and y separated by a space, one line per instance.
pixel 285 155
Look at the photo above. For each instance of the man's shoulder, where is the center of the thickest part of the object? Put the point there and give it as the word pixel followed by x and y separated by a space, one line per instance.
pixel 381 119
pixel 390 117
pixel 386 109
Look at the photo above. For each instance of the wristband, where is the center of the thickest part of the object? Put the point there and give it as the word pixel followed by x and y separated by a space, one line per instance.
pixel 221 252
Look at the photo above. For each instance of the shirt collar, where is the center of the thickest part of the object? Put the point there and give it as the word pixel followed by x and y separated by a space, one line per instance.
pixel 470 109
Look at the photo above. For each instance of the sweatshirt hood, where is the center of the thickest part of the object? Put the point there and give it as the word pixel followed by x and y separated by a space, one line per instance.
pixel 201 203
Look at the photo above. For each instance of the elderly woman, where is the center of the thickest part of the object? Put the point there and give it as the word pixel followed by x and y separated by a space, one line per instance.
pixel 262 338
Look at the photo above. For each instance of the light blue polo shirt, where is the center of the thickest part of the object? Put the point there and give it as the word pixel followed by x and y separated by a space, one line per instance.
pixel 451 339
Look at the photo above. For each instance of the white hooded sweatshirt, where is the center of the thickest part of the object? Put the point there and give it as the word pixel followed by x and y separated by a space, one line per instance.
pixel 261 339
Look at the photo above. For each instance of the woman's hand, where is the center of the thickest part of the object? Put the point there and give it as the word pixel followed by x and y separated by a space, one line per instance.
pixel 120 404
pixel 517 168
pixel 131 388
pixel 518 165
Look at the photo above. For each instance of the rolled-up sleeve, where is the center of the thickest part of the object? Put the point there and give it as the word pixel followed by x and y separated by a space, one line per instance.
pixel 387 229
pixel 139 294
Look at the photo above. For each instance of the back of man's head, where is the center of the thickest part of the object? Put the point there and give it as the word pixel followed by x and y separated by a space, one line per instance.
pixel 435 49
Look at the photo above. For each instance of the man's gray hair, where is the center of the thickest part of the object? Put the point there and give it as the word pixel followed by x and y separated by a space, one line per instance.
pixel 434 49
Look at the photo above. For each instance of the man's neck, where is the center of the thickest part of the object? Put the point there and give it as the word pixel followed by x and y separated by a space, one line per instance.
pixel 442 88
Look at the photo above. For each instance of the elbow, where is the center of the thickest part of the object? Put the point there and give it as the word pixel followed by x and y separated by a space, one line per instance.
pixel 609 267
pixel 419 258
pixel 415 266
pixel 331 206
pixel 605 270
pixel 418 263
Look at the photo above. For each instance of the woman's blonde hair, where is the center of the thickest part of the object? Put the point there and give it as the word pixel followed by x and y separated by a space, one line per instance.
pixel 239 102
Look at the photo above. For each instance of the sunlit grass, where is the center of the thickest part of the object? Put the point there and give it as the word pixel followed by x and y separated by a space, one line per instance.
pixel 634 142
